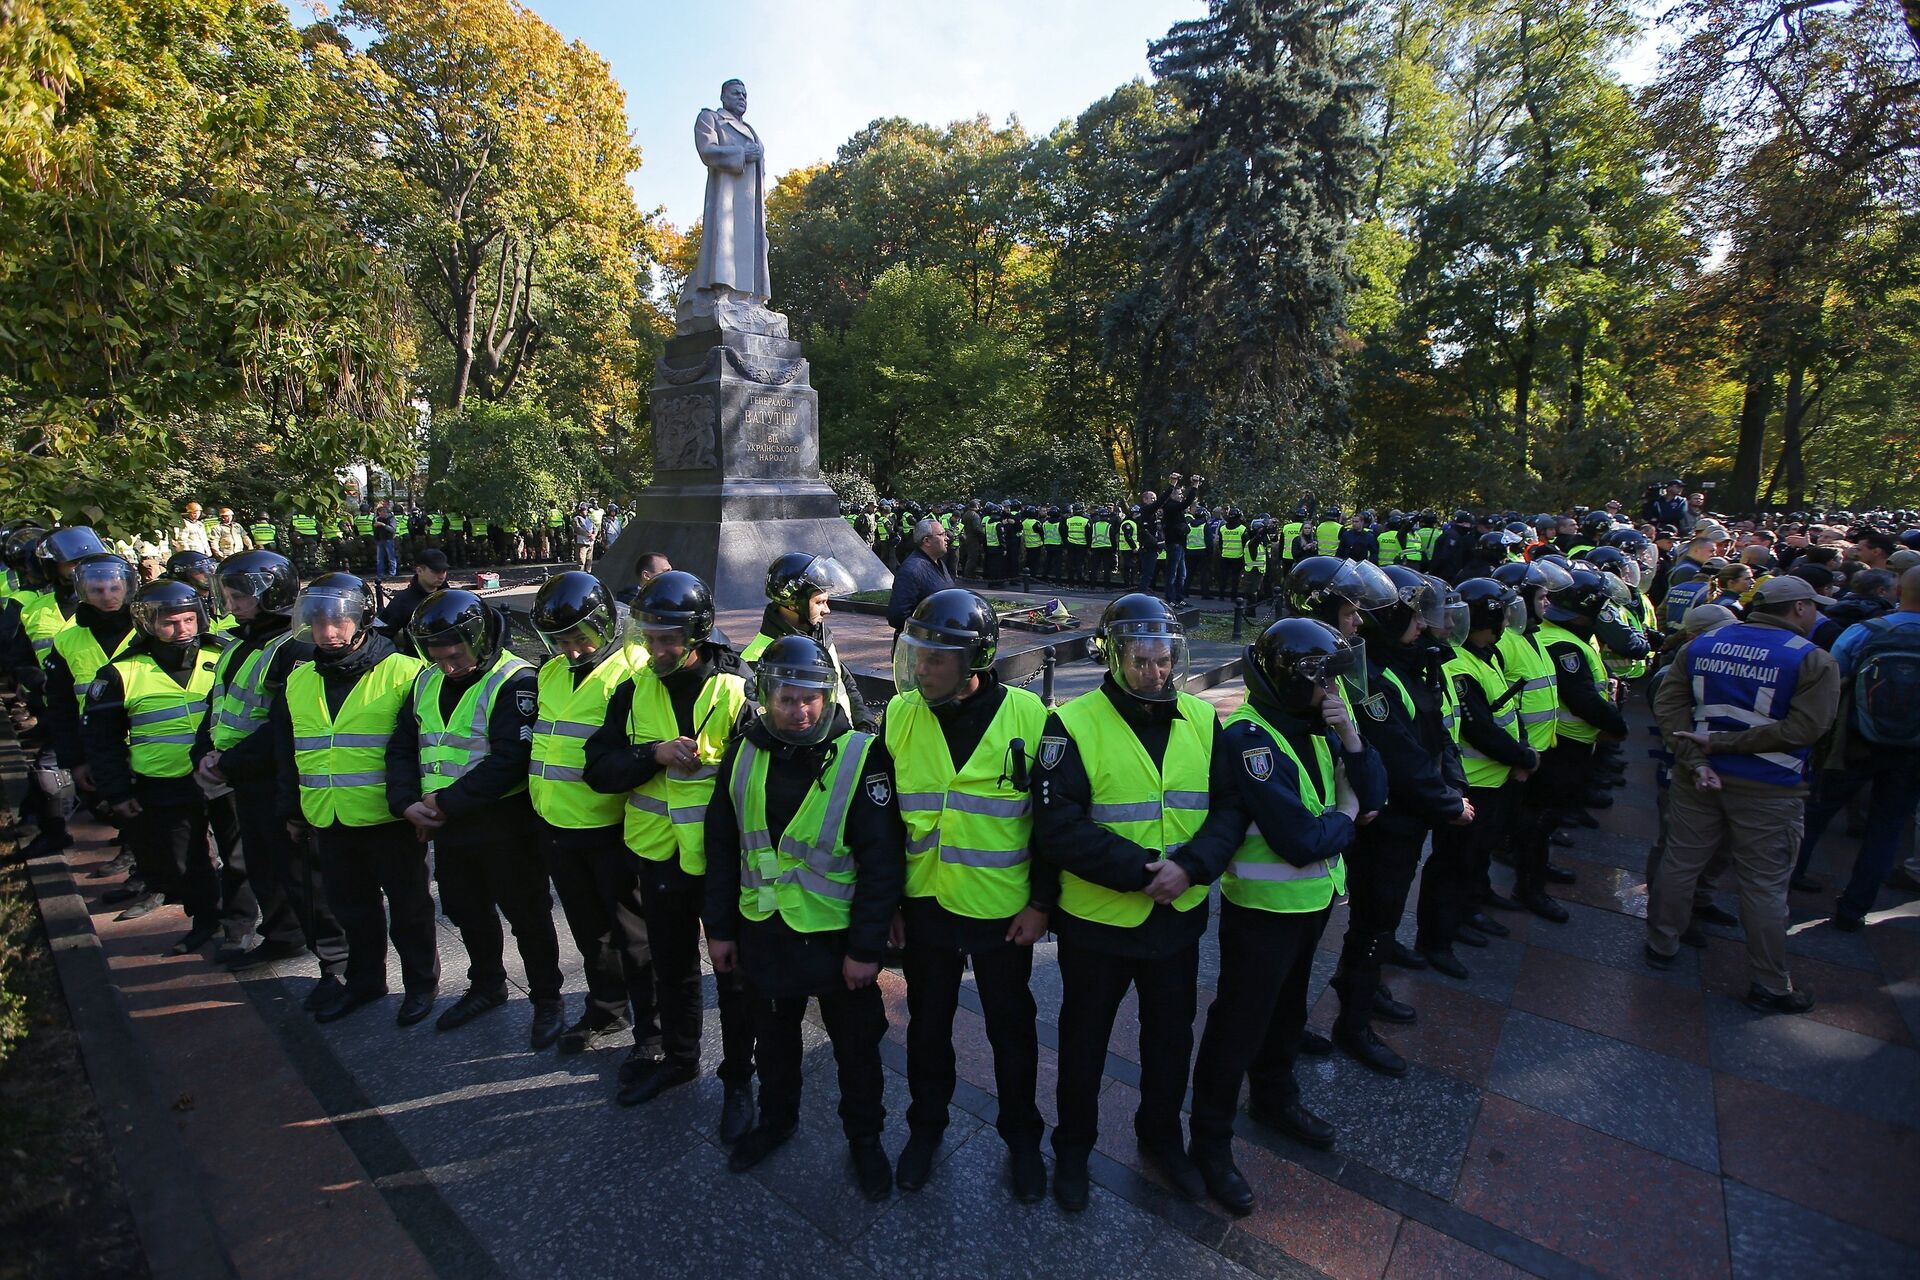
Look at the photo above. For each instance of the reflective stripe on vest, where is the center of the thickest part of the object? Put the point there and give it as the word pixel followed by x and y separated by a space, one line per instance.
pixel 1259 878
pixel 1539 691
pixel 1077 530
pixel 1196 537
pixel 1570 726
pixel 240 699
pixel 305 526
pixel 1744 676
pixel 1682 598
pixel 1158 809
pixel 162 713
pixel 42 620
pixel 809 878
pixel 667 813
pixel 1389 546
pixel 342 759
pixel 968 829
pixel 263 533
pixel 1102 534
pixel 1327 537
pixel 1050 532
pixel 1482 769
pixel 84 657
pixel 448 754
pixel 1233 540
pixel 568 716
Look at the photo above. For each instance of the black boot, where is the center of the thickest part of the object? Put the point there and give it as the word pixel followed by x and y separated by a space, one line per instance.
pixel 1444 961
pixel 1386 1008
pixel 1536 900
pixel 1224 1182
pixel 759 1143
pixel 871 1172
pixel 549 1013
pixel 1368 1049
pixel 736 1113
pixel 1028 1174
pixel 1070 1185
pixel 1170 1161
pixel 916 1160
pixel 475 1002
pixel 1295 1121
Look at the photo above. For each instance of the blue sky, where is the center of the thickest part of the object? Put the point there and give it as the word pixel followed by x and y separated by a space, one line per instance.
pixel 818 70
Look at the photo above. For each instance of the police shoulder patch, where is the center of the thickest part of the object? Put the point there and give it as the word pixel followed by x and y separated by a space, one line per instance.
pixel 1052 751
pixel 1259 763
pixel 1375 706
pixel 879 790
pixel 526 702
pixel 1570 662
pixel 96 690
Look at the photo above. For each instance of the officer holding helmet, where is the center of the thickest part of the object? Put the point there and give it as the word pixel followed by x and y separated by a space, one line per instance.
pixel 799 589
pixel 1136 817
pixel 331 724
pixel 659 750
pixel 805 863
pixel 142 710
pixel 1304 778
pixel 581 834
pixel 1402 709
pixel 457 772
pixel 961 744
pixel 257 589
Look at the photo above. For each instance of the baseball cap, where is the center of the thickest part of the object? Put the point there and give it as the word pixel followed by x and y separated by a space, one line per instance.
pixel 1785 590
pixel 1904 559
pixel 431 558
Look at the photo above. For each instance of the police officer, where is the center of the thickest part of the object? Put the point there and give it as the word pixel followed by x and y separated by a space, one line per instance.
pixel 1304 778
pixel 1077 535
pixel 1136 817
pixel 961 743
pixel 1496 757
pixel 257 589
pixel 331 725
pixel 1337 591
pixel 457 771
pixel 1403 709
pixel 1523 658
pixel 1586 712
pixel 666 728
pixel 1101 540
pixel 805 865
pixel 800 588
pixel 1230 563
pixel 142 710
pixel 581 835
pixel 1053 535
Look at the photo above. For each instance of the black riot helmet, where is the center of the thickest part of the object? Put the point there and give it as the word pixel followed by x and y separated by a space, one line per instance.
pixel 1616 562
pixel 1414 595
pixel 794 686
pixel 1583 598
pixel 333 598
pixel 674 613
pixel 1595 526
pixel 70 545
pixel 797 577
pixel 28 569
pixel 192 566
pixel 104 581
pixel 952 636
pixel 456 620
pixel 573 614
pixel 264 576
pixel 166 597
pixel 1492 548
pixel 1319 586
pixel 1295 656
pixel 1636 546
pixel 1491 606
pixel 1144 646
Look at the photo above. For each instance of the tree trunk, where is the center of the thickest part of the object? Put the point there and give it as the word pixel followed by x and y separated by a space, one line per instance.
pixel 1523 391
pixel 1790 449
pixel 1743 486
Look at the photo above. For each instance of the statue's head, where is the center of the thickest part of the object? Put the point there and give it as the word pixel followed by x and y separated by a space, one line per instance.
pixel 733 96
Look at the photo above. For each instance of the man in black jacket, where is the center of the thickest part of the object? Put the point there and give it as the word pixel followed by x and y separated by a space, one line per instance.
pixel 1402 718
pixel 429 576
pixel 805 864
pixel 457 771
pixel 1454 548
pixel 922 573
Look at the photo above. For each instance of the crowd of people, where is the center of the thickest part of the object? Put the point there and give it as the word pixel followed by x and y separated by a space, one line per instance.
pixel 1437 695
pixel 380 538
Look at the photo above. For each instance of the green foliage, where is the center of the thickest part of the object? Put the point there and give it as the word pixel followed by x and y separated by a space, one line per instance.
pixel 510 461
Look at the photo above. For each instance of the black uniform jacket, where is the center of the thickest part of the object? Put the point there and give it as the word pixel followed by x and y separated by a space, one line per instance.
pixel 1068 839
pixel 478 807
pixel 1270 786
pixel 1426 785
pixel 1578 693
pixel 779 961
pixel 1477 727
pixel 63 702
pixel 103 727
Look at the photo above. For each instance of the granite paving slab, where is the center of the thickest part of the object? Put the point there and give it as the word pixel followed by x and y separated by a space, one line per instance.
pixel 1608 938
pixel 1843 1069
pixel 1415 1128
pixel 1635 1007
pixel 1776 1239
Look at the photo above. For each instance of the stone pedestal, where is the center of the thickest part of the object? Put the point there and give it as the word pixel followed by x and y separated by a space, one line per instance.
pixel 736 446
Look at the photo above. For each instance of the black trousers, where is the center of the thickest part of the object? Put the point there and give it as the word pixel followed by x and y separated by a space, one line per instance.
pixel 599 890
pixel 239 901
pixel 1557 785
pixel 285 882
pixel 1380 871
pixel 169 842
pixel 671 900
pixel 378 888
pixel 1456 873
pixel 1257 1016
pixel 1056 559
pixel 1002 975
pixel 1093 983
pixel 1226 575
pixel 856 1022
pixel 481 881
pixel 1076 563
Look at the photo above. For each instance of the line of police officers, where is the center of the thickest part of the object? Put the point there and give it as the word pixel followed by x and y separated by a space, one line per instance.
pixel 667 790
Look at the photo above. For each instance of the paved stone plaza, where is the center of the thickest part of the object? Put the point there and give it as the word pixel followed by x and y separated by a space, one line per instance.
pixel 1568 1112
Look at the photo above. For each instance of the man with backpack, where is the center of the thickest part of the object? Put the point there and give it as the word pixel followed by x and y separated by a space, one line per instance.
pixel 1752 702
pixel 1878 744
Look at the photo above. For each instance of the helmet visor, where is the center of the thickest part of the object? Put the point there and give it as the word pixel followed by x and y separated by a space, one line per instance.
pixel 583 643
pixel 1147 659
pixel 937 669
pixel 1516 619
pixel 240 594
pixel 1329 670
pixel 106 583
pixel 168 621
pixel 330 621
pixel 666 644
pixel 796 703
pixel 1354 679
pixel 457 648
pixel 1365 583
pixel 1551 575
pixel 827 576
